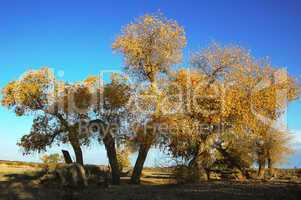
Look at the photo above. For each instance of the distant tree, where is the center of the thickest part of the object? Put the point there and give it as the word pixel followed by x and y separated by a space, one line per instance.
pixel 52 158
pixel 150 45
pixel 272 147
pixel 123 159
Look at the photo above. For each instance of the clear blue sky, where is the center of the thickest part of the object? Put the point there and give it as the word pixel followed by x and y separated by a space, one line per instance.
pixel 75 37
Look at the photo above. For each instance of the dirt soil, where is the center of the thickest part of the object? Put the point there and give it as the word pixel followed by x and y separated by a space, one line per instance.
pixel 16 183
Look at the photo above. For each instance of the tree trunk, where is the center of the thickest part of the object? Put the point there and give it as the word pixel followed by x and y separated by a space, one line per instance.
pixel 270 167
pixel 143 151
pixel 74 141
pixel 78 152
pixel 109 143
pixel 261 168
pixel 207 171
pixel 234 162
pixel 144 148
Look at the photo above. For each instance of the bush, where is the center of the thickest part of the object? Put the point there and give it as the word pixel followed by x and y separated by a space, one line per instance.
pixel 184 174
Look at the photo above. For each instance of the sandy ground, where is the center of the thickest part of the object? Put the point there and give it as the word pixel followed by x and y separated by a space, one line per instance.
pixel 18 183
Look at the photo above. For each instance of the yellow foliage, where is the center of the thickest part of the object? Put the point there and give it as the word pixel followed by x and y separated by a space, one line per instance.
pixel 151 45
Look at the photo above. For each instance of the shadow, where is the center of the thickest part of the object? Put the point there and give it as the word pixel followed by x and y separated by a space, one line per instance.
pixel 160 176
pixel 22 177
pixel 22 186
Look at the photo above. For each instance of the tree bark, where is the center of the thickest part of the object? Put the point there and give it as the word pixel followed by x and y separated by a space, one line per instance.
pixel 270 167
pixel 78 152
pixel 143 151
pixel 207 171
pixel 73 138
pixel 109 143
pixel 261 168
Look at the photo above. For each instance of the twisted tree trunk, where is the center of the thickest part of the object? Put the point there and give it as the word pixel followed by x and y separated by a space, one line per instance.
pixel 234 162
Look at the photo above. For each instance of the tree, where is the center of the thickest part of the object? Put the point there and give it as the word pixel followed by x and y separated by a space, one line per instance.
pixel 57 108
pixel 231 94
pixel 150 45
pixel 197 117
pixel 256 94
pixel 272 147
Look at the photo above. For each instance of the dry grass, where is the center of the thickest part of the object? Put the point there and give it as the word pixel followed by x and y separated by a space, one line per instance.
pixel 21 164
pixel 13 167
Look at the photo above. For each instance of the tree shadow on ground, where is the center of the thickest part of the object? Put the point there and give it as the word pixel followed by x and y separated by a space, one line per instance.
pixel 22 186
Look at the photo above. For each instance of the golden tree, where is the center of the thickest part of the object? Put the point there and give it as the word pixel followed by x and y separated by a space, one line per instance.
pixel 150 45
pixel 57 108
pixel 232 94
pixel 272 147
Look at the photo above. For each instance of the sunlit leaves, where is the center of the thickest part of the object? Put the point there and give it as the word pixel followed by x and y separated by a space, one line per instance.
pixel 29 92
pixel 117 93
pixel 239 99
pixel 151 45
